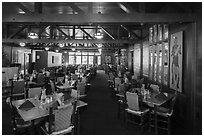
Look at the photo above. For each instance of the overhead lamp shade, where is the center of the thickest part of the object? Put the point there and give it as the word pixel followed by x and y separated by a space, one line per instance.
pixel 73 49
pixel 61 45
pixel 33 35
pixel 22 44
pixel 57 50
pixel 46 48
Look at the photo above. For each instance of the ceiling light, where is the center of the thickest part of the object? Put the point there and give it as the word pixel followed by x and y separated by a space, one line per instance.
pixel 78 51
pixel 99 34
pixel 99 45
pixel 22 44
pixel 57 50
pixel 33 35
pixel 73 49
pixel 61 45
pixel 65 52
pixel 46 48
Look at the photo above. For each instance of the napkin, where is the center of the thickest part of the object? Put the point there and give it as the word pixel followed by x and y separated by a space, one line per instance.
pixel 27 105
pixel 161 97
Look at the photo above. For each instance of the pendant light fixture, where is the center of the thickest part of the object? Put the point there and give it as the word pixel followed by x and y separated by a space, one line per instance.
pixel 99 34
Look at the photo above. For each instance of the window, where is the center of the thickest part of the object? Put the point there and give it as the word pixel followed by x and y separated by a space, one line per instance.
pixel 84 59
pixel 71 59
pixel 99 60
pixel 91 58
pixel 78 59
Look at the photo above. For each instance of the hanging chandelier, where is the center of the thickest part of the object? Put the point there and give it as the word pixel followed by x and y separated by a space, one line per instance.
pixel 99 34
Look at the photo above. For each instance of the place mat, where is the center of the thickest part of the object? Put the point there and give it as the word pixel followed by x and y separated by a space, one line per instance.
pixel 27 105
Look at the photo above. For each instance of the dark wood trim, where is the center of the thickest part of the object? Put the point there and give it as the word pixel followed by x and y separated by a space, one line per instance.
pixel 102 18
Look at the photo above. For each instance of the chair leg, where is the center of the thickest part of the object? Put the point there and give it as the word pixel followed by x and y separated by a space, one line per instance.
pixel 169 125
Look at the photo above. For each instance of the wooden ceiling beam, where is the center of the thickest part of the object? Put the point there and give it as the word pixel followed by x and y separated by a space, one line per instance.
pixel 126 7
pixel 130 31
pixel 107 33
pixel 102 18
pixel 18 31
pixel 66 36
pixel 95 41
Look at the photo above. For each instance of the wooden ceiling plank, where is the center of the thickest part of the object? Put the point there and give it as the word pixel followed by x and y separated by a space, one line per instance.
pixel 102 18
pixel 75 7
pixel 23 8
pixel 185 7
pixel 38 7
pixel 18 31
pixel 142 7
pixel 95 41
pixel 90 8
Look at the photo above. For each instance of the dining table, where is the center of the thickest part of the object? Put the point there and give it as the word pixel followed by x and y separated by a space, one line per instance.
pixel 155 100
pixel 39 109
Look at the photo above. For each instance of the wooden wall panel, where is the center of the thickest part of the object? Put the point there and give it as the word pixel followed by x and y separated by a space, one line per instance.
pixel 137 59
pixel 145 59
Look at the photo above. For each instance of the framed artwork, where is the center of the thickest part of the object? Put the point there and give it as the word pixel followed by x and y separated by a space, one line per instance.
pixel 176 58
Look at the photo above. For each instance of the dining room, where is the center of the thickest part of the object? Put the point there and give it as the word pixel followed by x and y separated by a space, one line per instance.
pixel 101 68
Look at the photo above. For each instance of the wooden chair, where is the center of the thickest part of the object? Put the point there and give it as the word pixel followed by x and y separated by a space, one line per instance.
pixel 111 80
pixel 74 77
pixel 121 100
pixel 164 115
pixel 60 79
pixel 61 120
pixel 33 92
pixel 117 83
pixel 40 80
pixel 134 113
pixel 74 94
pixel 52 85
pixel 19 88
pixel 81 90
pixel 19 125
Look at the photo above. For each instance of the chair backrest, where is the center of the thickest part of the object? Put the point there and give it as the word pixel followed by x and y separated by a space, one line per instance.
pixel 83 80
pixel 52 85
pixel 173 100
pixel 74 93
pixel 111 76
pixel 32 92
pixel 117 82
pixel 52 74
pixel 60 79
pixel 40 78
pixel 121 88
pixel 81 88
pixel 132 101
pixel 19 86
pixel 63 117
pixel 74 77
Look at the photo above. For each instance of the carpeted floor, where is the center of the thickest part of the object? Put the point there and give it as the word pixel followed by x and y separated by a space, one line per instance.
pixel 100 117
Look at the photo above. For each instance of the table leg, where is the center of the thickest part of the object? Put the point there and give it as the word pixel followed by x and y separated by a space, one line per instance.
pixel 155 119
pixel 32 127
pixel 78 121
